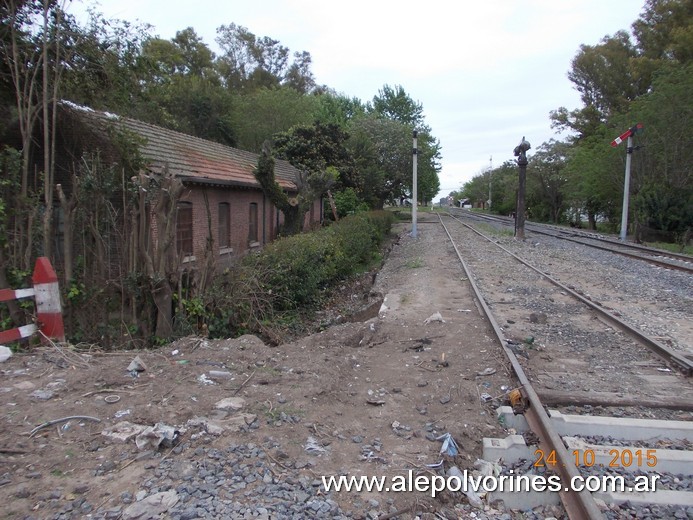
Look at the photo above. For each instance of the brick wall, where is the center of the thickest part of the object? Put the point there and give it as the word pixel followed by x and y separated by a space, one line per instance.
pixel 239 201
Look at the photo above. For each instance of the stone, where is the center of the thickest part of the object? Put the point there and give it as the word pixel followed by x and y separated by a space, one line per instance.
pixel 230 403
pixel 137 365
pixel 5 353
pixel 123 431
pixel 152 506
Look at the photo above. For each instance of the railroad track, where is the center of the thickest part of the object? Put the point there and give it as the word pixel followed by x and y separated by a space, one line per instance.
pixel 657 257
pixel 559 336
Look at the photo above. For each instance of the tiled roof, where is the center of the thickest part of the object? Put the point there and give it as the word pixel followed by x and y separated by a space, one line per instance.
pixel 190 158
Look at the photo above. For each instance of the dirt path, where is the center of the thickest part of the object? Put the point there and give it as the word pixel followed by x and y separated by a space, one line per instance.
pixel 373 395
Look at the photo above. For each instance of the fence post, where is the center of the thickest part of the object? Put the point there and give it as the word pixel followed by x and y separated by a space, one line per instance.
pixel 48 309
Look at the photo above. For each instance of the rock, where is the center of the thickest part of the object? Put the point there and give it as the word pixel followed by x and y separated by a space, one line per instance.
pixel 230 403
pixel 538 317
pixel 5 353
pixel 137 365
pixel 25 385
pixel 220 374
pixel 434 317
pixel 123 431
pixel 23 492
pixel 43 395
pixel 217 427
pixel 158 435
pixel 152 506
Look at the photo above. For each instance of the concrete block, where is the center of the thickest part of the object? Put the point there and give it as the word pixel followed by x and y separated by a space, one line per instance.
pixel 508 419
pixel 620 427
pixel 525 499
pixel 616 427
pixel 631 458
pixel 510 449
pixel 662 498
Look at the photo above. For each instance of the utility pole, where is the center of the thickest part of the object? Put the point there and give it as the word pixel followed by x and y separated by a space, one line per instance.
pixel 521 154
pixel 414 189
pixel 626 185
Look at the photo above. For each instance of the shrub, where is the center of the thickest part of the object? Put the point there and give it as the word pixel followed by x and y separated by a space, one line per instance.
pixel 293 273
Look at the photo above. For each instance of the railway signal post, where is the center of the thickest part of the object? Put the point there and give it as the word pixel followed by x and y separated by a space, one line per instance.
pixel 626 185
pixel 414 194
pixel 521 154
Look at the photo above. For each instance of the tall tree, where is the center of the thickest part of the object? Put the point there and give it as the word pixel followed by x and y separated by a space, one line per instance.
pixel 382 150
pixel 260 114
pixel 396 105
pixel 546 188
pixel 186 88
pixel 338 109
pixel 249 62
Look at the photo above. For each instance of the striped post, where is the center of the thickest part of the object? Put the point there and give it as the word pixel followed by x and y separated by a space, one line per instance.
pixel 48 310
pixel 8 336
pixel 49 315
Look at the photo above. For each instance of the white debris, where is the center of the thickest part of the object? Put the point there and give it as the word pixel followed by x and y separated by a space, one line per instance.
pixel 5 353
pixel 230 404
pixel 123 431
pixel 434 317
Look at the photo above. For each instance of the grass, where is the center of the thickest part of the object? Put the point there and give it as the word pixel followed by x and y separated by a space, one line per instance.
pixel 674 248
pixel 415 263
pixel 492 230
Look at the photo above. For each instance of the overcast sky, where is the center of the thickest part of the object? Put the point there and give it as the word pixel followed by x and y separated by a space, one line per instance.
pixel 486 72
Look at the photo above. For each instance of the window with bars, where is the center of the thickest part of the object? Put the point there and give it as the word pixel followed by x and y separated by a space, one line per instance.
pixel 252 223
pixel 184 228
pixel 224 224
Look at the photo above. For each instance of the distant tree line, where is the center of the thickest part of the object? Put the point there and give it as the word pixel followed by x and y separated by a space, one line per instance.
pixel 645 76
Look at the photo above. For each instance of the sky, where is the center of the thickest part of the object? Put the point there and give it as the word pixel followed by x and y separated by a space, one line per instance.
pixel 486 72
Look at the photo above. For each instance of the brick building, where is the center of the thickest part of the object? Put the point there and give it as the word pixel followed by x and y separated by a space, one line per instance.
pixel 220 190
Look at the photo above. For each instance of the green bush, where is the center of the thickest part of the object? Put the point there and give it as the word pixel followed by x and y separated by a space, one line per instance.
pixel 292 274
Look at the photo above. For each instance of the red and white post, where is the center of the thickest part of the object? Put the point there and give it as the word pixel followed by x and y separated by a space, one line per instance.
pixel 47 293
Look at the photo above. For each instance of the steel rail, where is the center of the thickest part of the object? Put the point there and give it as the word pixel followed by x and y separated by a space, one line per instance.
pixel 655 261
pixel 683 363
pixel 560 233
pixel 578 505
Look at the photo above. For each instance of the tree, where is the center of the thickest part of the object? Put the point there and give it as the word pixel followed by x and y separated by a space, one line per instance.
pixel 310 186
pixel 314 148
pixel 260 114
pixel 185 87
pixel 106 70
pixel 664 31
pixel 338 109
pixel 249 62
pixel 547 181
pixel 665 156
pixel 382 154
pixel 595 173
pixel 396 105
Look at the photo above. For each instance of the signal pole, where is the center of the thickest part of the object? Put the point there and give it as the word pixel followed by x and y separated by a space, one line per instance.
pixel 626 184
pixel 490 179
pixel 414 189
pixel 521 154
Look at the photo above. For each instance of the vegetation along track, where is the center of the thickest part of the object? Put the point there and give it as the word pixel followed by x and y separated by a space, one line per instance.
pixel 571 348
